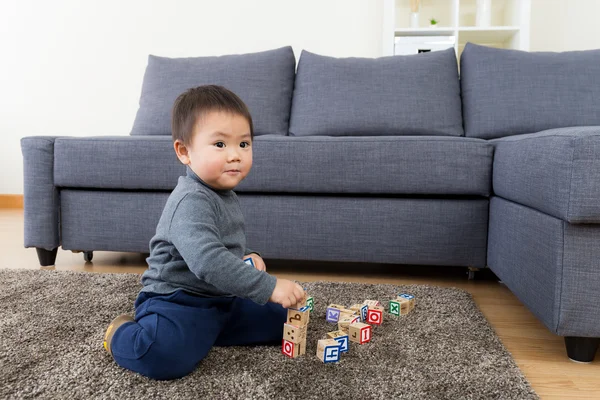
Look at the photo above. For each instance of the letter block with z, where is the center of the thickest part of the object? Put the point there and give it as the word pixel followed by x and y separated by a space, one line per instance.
pixel 298 317
pixel 328 350
pixel 360 333
pixel 342 338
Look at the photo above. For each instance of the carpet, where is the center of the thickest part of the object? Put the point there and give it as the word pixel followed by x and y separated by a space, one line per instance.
pixel 52 324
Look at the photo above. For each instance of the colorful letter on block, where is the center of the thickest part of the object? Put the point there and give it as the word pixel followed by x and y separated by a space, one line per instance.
pixel 310 302
pixel 363 313
pixel 298 317
pixel 375 315
pixel 333 314
pixel 293 333
pixel 342 338
pixel 293 350
pixel 328 350
pixel 394 307
pixel 360 333
pixel 249 261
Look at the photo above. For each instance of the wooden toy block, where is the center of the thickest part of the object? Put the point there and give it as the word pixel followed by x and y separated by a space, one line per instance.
pixel 292 349
pixel 347 311
pixel 342 338
pixel 404 305
pixel 394 307
pixel 409 297
pixel 310 302
pixel 363 312
pixel 293 333
pixel 333 313
pixel 372 303
pixel 345 321
pixel 356 308
pixel 328 350
pixel 375 315
pixel 360 333
pixel 249 261
pixel 298 317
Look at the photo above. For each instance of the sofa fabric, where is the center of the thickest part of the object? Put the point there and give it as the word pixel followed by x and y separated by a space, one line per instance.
pixel 509 92
pixel 264 81
pixel 399 95
pixel 298 226
pixel 555 171
pixel 406 165
pixel 550 265
pixel 41 199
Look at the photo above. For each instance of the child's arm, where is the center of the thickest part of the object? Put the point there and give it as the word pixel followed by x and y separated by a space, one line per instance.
pixel 193 231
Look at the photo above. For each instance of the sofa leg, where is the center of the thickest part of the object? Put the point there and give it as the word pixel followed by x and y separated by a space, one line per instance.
pixel 581 349
pixel 471 272
pixel 46 257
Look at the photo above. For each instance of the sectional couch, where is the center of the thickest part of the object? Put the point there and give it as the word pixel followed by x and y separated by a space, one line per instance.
pixel 389 160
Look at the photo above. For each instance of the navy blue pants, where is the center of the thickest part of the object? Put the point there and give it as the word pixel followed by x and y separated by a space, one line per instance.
pixel 173 333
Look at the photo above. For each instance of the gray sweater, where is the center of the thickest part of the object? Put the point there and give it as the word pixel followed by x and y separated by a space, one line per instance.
pixel 199 245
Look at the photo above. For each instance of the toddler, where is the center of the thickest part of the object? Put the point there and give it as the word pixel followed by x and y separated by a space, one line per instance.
pixel 198 292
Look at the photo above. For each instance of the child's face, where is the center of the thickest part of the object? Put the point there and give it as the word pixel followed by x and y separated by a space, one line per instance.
pixel 221 149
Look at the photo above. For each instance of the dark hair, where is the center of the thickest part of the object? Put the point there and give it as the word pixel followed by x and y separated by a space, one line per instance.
pixel 195 103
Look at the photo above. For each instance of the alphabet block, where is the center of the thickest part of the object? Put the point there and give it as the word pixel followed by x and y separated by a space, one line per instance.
pixel 293 333
pixel 404 305
pixel 292 349
pixel 360 333
pixel 363 312
pixel 375 315
pixel 372 303
pixel 394 307
pixel 310 302
pixel 328 350
pixel 333 313
pixel 342 338
pixel 410 298
pixel 356 308
pixel 345 321
pixel 298 317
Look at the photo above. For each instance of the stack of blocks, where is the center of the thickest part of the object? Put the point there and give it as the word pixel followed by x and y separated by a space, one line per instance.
pixel 295 328
pixel 354 325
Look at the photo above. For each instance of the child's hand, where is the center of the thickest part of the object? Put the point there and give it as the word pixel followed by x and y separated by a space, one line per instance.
pixel 287 293
pixel 259 263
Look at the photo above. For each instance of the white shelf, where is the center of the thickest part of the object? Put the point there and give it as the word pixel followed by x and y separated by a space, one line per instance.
pixel 492 34
pixel 441 31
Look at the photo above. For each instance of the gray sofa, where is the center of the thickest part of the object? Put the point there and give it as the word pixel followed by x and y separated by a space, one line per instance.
pixel 389 160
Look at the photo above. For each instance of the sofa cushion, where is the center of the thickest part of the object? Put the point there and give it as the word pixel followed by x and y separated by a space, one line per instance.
pixel 396 165
pixel 264 81
pixel 555 171
pixel 509 92
pixel 400 95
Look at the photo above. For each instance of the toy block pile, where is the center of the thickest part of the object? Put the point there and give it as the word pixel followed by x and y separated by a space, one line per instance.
pixel 354 325
pixel 295 328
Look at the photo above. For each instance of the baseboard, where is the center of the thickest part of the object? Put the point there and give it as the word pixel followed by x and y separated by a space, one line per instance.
pixel 11 201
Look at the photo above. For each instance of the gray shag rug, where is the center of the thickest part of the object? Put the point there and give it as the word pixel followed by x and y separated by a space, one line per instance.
pixel 52 324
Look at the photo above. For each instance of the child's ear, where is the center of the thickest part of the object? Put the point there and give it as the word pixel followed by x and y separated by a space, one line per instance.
pixel 182 152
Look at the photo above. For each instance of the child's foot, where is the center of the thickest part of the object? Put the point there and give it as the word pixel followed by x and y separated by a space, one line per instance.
pixel 112 328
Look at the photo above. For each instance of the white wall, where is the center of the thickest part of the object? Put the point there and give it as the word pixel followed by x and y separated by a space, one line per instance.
pixel 73 67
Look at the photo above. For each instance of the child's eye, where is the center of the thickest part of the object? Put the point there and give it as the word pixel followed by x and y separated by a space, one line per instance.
pixel 243 145
pixel 220 145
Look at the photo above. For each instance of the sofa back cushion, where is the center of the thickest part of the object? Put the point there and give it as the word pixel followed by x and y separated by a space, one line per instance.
pixel 399 95
pixel 510 92
pixel 264 81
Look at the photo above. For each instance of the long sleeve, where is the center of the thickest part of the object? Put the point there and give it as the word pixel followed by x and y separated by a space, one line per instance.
pixel 194 232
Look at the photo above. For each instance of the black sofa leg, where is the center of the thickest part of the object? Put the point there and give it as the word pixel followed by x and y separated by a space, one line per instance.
pixel 581 349
pixel 46 257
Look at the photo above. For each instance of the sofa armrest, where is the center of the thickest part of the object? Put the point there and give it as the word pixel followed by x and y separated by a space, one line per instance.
pixel 555 171
pixel 40 200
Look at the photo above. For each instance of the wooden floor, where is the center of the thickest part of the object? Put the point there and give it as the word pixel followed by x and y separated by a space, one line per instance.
pixel 540 354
